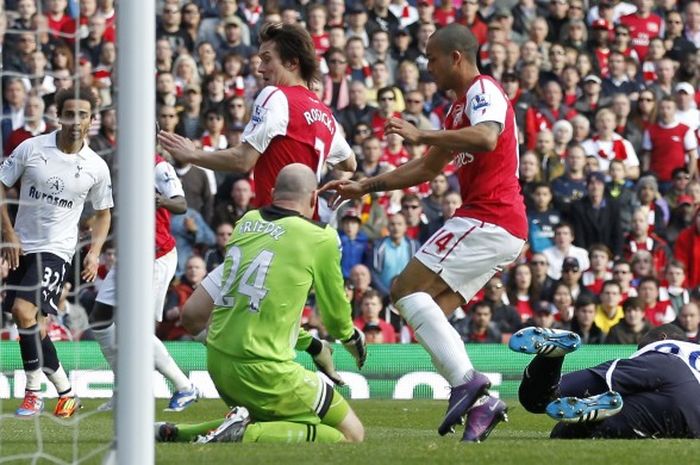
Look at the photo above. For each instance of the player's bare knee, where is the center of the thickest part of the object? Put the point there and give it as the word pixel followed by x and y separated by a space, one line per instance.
pixel 352 428
pixel 24 314
pixel 355 432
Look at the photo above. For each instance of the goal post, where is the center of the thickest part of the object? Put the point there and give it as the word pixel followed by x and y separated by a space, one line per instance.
pixel 135 231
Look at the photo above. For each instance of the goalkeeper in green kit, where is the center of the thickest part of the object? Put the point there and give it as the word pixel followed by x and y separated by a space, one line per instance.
pixel 275 256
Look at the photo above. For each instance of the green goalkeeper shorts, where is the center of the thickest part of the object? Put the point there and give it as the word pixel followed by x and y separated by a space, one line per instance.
pixel 276 391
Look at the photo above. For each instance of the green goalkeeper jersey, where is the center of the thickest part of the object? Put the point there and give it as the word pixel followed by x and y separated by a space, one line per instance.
pixel 273 259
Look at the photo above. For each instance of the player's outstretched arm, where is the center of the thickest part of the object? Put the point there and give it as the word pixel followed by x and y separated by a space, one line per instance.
pixel 481 137
pixel 239 159
pixel 100 229
pixel 12 249
pixel 409 174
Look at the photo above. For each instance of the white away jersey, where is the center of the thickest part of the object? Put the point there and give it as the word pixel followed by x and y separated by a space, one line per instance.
pixel 55 187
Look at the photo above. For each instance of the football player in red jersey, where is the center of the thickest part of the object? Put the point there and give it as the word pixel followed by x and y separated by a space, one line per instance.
pixel 288 124
pixel 485 234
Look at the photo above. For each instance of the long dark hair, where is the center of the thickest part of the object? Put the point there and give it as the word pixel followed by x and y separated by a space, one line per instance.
pixel 293 43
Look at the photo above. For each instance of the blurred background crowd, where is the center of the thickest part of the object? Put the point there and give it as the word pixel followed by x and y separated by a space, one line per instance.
pixel 606 99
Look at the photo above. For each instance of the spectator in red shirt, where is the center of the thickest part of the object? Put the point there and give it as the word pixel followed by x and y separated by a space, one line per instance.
pixel 522 291
pixel 667 144
pixel 687 250
pixel 656 313
pixel 472 20
pixel 33 124
pixel 57 16
pixel 316 24
pixel 544 116
pixel 371 308
pixel 643 26
pixel 593 279
pixel 600 41
pixel 640 238
pixel 387 104
pixel 394 153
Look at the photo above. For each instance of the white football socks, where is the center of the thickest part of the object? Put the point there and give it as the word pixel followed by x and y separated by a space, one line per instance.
pixel 167 367
pixel 59 378
pixel 107 338
pixel 437 336
pixel 33 380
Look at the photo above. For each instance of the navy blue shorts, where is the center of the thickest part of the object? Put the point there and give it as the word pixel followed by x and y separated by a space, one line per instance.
pixel 38 279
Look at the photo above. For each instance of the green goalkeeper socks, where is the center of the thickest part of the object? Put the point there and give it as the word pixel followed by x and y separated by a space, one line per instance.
pixel 268 431
pixel 188 433
pixel 289 433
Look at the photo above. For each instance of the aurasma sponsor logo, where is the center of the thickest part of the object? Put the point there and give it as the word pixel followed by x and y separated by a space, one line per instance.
pixel 97 384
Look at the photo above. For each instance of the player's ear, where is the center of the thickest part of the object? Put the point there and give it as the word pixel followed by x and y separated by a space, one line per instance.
pixel 292 64
pixel 314 200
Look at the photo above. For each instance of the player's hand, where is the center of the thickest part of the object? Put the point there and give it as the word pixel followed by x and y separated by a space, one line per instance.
pixel 12 249
pixel 324 363
pixel 403 128
pixel 181 148
pixel 343 190
pixel 357 347
pixel 159 199
pixel 90 264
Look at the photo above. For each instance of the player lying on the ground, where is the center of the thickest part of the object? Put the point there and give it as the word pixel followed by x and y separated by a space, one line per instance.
pixel 651 394
pixel 273 259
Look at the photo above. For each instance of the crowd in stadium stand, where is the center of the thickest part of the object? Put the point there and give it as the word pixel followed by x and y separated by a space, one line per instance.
pixel 606 99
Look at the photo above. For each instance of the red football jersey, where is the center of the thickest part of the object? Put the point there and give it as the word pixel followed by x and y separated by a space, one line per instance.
pixel 642 30
pixel 291 125
pixel 489 180
pixel 668 146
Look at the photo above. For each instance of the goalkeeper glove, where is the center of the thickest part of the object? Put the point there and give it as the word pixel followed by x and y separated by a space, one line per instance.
pixel 322 354
pixel 357 347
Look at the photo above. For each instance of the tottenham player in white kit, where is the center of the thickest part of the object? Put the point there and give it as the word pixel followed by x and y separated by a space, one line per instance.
pixel 58 173
pixel 170 198
pixel 486 234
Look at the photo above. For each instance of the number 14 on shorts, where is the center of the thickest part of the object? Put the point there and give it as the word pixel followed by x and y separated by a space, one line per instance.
pixel 441 244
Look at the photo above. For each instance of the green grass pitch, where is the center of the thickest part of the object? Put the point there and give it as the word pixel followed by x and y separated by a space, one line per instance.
pixel 397 432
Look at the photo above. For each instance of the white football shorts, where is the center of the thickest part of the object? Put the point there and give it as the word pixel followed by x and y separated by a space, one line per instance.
pixel 163 271
pixel 467 252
